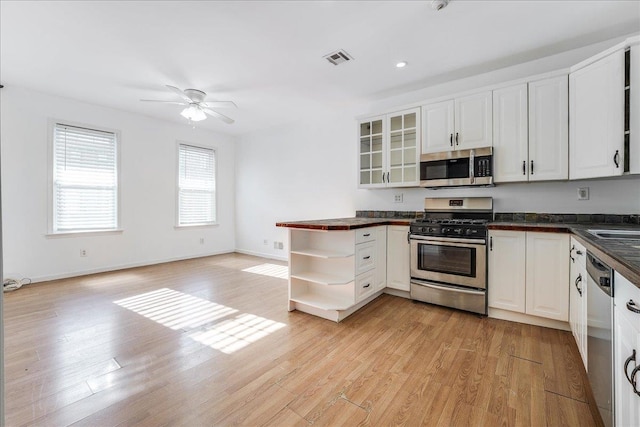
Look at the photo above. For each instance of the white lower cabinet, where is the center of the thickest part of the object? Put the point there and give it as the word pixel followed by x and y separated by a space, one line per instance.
pixel 627 352
pixel 528 273
pixel 398 251
pixel 578 296
pixel 332 272
pixel 381 252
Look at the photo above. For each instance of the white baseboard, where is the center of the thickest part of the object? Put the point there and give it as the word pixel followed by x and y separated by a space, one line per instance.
pixel 497 313
pixel 262 255
pixel 48 278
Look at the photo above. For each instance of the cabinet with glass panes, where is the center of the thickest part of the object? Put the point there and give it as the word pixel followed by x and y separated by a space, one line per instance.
pixel 388 154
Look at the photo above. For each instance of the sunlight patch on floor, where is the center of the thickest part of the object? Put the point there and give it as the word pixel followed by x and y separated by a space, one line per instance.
pixel 272 270
pixel 177 310
pixel 233 334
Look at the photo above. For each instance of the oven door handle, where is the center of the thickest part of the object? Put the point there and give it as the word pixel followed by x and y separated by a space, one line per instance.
pixel 447 288
pixel 476 242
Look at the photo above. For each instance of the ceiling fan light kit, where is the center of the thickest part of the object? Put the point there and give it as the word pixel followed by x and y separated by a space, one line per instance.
pixel 193 113
pixel 197 108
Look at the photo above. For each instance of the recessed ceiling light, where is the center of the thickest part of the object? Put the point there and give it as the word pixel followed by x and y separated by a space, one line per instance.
pixel 401 64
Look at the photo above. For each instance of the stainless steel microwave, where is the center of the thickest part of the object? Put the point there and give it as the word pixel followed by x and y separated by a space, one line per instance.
pixel 458 168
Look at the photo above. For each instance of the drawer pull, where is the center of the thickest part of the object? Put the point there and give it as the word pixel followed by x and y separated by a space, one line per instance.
pixel 367 257
pixel 367 285
pixel 630 359
pixel 631 306
pixel 366 235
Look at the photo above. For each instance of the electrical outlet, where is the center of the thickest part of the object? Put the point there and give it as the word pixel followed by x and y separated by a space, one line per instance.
pixel 397 198
pixel 265 242
pixel 275 245
pixel 202 240
pixel 83 252
pixel 583 193
pixel 280 245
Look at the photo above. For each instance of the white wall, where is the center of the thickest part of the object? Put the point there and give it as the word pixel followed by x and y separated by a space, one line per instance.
pixel 308 171
pixel 147 191
pixel 305 171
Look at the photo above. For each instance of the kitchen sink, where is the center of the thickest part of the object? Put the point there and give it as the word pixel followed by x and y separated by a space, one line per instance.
pixel 616 234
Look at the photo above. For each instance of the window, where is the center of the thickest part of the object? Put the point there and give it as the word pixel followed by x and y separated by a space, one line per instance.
pixel 85 179
pixel 196 185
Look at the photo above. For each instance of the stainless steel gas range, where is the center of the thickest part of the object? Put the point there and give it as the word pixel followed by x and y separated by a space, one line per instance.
pixel 449 253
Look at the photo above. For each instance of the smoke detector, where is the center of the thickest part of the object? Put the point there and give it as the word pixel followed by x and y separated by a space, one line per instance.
pixel 338 57
pixel 439 4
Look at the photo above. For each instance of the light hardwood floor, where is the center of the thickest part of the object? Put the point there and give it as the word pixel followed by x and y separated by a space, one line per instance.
pixel 210 342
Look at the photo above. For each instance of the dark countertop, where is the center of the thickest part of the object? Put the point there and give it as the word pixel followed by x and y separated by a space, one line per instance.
pixel 622 255
pixel 343 223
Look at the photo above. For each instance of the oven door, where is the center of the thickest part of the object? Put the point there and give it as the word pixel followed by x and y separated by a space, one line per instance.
pixel 460 262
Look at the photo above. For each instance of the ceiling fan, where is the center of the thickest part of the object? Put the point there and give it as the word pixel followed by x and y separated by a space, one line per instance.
pixel 196 106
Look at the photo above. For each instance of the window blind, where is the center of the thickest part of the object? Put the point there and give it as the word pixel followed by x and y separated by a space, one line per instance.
pixel 85 183
pixel 196 185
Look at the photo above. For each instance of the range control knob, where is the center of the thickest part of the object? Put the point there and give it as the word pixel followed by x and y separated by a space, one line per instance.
pixel 431 229
pixel 469 231
pixel 445 230
pixel 458 231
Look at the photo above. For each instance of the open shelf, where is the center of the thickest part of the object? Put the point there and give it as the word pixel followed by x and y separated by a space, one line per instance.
pixel 322 253
pixel 323 278
pixel 323 302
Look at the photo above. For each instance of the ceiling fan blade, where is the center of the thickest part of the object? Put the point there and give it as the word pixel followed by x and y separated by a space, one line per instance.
pixel 164 102
pixel 218 115
pixel 219 104
pixel 180 93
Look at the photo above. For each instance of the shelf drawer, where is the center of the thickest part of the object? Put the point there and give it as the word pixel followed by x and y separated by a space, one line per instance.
pixel 365 235
pixel 365 285
pixel 365 257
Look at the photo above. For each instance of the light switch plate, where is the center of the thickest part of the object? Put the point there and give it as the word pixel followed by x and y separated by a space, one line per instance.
pixel 583 193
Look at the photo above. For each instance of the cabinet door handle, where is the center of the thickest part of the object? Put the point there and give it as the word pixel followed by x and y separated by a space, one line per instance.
pixel 578 280
pixel 491 243
pixel 524 167
pixel 367 257
pixel 367 285
pixel 367 235
pixel 616 159
pixel 451 139
pixel 383 176
pixel 578 252
pixel 573 248
pixel 531 167
pixel 457 142
pixel 409 237
pixel 633 379
pixel 630 359
pixel 631 306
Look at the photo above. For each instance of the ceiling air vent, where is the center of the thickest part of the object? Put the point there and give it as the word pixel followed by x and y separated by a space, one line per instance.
pixel 338 57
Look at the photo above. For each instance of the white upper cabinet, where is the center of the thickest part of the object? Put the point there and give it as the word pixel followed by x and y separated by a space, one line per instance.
pixel 510 137
pixel 388 150
pixel 461 123
pixel 549 129
pixel 438 127
pixel 596 118
pixel 530 131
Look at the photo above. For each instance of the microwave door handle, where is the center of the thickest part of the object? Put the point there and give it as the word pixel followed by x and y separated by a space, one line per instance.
pixel 472 162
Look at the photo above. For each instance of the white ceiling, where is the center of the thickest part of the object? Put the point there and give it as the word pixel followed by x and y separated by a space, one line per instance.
pixel 266 56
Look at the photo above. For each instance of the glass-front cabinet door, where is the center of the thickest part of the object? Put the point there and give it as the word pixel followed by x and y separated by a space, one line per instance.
pixel 403 148
pixel 388 150
pixel 372 159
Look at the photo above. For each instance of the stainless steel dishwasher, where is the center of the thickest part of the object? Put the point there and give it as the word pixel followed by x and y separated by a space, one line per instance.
pixel 600 336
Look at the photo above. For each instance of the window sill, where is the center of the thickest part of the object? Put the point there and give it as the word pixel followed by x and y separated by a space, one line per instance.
pixel 83 233
pixel 186 227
